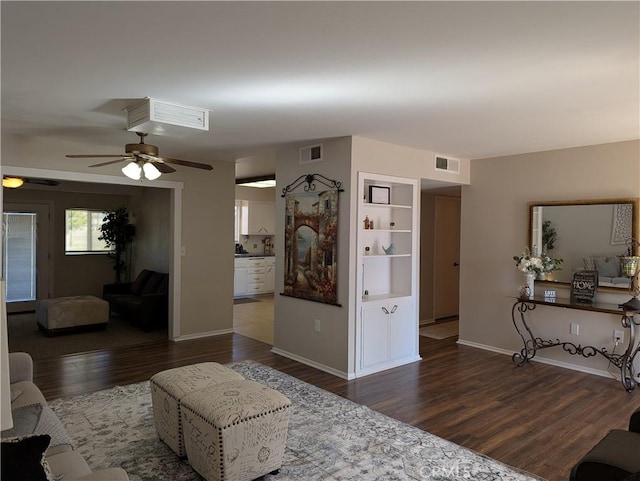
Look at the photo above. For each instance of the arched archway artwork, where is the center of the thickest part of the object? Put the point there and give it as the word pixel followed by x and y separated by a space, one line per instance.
pixel 311 245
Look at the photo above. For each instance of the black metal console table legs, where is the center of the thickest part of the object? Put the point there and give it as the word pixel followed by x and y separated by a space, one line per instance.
pixel 533 344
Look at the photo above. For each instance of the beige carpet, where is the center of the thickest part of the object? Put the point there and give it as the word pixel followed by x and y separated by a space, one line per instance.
pixel 440 331
pixel 23 335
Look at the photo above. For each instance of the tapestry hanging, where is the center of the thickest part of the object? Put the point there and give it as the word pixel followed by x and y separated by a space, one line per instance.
pixel 311 245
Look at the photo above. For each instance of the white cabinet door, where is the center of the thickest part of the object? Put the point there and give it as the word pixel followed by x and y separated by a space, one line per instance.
pixel 240 281
pixel 270 276
pixel 259 218
pixel 402 330
pixel 374 330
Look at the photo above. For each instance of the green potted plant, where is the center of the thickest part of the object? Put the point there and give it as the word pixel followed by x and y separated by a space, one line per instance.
pixel 117 232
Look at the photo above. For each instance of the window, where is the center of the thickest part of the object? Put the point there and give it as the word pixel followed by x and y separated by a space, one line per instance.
pixel 82 229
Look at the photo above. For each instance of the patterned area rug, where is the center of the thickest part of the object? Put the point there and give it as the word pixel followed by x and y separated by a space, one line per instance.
pixel 330 438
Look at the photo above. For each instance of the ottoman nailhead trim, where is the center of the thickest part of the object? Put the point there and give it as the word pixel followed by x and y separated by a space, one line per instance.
pixel 180 438
pixel 220 429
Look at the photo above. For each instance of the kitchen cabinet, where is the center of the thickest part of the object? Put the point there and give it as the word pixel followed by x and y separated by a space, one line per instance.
pixel 270 275
pixel 240 280
pixel 387 274
pixel 258 218
pixel 253 275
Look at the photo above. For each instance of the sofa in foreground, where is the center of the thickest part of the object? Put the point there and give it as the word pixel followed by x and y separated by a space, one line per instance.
pixel 37 431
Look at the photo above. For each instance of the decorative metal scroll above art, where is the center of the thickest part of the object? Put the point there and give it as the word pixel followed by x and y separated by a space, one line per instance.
pixel 308 182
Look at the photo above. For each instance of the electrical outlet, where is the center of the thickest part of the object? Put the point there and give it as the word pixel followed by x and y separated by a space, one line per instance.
pixel 574 328
pixel 316 326
pixel 618 335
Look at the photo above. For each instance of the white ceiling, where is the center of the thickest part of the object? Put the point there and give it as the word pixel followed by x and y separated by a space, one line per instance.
pixel 465 79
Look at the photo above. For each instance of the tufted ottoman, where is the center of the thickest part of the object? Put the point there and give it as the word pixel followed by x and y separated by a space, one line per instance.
pixel 235 431
pixel 170 386
pixel 54 315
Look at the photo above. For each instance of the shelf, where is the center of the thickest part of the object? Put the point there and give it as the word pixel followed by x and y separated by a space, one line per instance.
pixel 364 256
pixel 408 231
pixel 384 297
pixel 392 206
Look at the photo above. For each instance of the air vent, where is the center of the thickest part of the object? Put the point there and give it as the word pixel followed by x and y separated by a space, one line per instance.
pixel 312 153
pixel 447 165
pixel 166 118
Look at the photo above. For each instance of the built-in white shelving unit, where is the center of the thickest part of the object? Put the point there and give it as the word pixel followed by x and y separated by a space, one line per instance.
pixel 387 325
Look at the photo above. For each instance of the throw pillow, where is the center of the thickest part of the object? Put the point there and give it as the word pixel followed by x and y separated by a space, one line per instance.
pixel 141 280
pixel 23 458
pixel 608 267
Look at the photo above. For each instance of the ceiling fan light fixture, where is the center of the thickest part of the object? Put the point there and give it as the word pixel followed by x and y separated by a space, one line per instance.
pixel 132 170
pixel 12 182
pixel 150 171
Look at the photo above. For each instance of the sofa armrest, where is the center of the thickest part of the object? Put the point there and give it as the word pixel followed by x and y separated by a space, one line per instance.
pixel 20 367
pixel 118 288
pixel 634 421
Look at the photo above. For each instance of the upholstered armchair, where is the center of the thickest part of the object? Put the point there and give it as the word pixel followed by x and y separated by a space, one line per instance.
pixel 615 457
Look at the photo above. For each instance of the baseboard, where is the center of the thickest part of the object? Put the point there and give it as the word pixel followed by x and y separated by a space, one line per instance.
pixel 543 360
pixel 426 322
pixel 317 365
pixel 200 335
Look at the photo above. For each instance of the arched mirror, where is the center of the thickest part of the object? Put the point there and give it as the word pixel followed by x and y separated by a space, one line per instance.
pixel 587 234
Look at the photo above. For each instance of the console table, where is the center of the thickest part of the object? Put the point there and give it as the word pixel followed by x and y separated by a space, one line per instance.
pixel 532 344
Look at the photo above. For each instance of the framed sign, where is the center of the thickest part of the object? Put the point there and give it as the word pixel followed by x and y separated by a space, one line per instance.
pixel 584 286
pixel 379 194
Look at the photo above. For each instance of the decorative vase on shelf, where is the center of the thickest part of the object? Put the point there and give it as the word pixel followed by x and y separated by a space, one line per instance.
pixel 542 276
pixel 527 289
pixel 389 250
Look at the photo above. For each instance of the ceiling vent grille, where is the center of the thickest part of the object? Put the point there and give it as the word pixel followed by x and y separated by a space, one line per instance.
pixel 311 153
pixel 447 165
pixel 166 118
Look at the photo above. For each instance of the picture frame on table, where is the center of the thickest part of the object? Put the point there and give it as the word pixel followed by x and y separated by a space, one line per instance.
pixel 379 194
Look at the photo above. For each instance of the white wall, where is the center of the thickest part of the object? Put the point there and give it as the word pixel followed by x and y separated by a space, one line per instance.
pixel 494 228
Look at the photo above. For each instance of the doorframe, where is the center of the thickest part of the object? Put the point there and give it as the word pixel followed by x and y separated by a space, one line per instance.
pixel 175 223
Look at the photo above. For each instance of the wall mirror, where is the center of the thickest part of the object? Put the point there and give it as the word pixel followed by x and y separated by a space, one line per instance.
pixel 586 234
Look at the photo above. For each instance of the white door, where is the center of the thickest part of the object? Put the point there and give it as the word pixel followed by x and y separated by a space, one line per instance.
pixel 375 331
pixel 402 330
pixel 25 251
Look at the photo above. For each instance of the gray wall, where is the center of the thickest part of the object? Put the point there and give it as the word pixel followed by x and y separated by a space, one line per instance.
pixel 494 228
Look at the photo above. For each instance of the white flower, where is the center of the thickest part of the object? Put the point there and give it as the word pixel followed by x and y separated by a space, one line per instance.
pixel 524 265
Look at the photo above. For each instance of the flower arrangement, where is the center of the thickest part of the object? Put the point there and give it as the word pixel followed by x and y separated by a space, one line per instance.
pixel 528 262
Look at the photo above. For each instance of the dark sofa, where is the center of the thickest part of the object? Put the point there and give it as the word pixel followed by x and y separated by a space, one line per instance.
pixel 144 302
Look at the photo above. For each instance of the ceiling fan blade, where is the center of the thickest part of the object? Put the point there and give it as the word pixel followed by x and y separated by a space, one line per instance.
pixel 88 156
pixel 110 162
pixel 149 157
pixel 187 163
pixel 47 182
pixel 164 168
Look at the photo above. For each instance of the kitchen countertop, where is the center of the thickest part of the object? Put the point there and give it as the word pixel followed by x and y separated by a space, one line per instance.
pixel 254 255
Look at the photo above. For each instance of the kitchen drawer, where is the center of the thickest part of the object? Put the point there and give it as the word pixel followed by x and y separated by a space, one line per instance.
pixel 256 270
pixel 255 288
pixel 255 262
pixel 256 278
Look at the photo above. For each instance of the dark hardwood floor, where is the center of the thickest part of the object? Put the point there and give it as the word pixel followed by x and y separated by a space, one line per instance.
pixel 539 418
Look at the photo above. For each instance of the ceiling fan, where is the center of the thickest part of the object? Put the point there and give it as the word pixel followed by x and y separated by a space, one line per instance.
pixel 143 160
